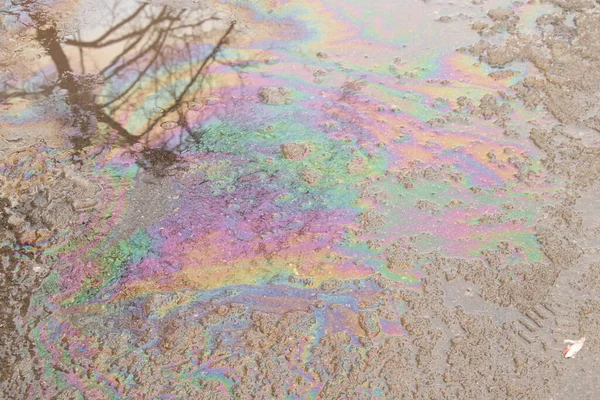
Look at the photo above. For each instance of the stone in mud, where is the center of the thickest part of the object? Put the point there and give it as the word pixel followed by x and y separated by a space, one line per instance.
pixel 295 151
pixel 479 48
pixel 309 176
pixel 437 122
pixel 222 310
pixel 331 285
pixel 501 14
pixel 370 323
pixel 489 107
pixel 356 165
pixel 370 221
pixel 501 75
pixel 479 26
pixel 511 133
pixel 275 95
pixel 493 218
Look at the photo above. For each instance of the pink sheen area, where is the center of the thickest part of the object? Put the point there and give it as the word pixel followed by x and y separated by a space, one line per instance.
pixel 392 328
pixel 219 240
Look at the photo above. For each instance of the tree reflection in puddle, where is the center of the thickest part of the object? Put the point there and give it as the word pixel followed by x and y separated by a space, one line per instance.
pixel 104 78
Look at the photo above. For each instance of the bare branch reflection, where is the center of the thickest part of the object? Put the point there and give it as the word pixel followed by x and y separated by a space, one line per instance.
pixel 157 50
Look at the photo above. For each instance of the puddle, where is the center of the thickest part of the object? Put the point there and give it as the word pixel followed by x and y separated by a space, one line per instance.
pixel 247 157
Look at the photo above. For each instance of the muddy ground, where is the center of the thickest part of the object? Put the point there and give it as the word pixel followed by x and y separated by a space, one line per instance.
pixel 476 328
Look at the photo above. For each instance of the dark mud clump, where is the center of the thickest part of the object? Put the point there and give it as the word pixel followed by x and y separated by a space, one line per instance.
pixel 567 156
pixel 295 151
pixel 159 162
pixel 275 95
pixel 35 211
pixel 567 55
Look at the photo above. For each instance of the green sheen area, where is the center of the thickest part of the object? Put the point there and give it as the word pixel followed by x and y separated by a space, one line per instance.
pixel 329 161
pixel 112 264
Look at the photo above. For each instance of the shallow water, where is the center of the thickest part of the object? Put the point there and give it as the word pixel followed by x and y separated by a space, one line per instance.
pixel 261 156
